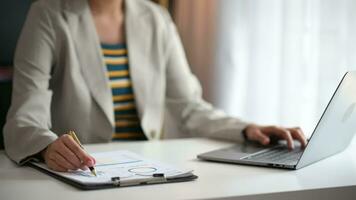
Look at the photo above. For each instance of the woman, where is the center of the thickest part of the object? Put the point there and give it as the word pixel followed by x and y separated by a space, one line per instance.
pixel 109 70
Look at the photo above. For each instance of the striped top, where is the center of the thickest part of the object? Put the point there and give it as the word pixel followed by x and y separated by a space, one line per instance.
pixel 127 123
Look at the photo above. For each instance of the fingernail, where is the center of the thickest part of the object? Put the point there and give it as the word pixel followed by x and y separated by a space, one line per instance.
pixel 90 163
pixel 265 141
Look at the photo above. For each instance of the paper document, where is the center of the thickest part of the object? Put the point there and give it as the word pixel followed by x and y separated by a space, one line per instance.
pixel 126 165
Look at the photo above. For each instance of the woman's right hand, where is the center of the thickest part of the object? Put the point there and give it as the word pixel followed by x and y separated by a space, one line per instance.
pixel 65 154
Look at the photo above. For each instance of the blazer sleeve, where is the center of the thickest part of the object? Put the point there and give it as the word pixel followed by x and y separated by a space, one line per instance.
pixel 184 97
pixel 27 128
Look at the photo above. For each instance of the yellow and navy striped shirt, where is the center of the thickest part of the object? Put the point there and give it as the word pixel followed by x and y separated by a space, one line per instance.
pixel 127 123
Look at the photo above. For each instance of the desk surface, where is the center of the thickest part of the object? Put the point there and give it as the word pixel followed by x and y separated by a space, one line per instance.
pixel 216 180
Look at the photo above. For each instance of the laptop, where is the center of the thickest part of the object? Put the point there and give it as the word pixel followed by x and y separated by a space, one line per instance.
pixel 332 134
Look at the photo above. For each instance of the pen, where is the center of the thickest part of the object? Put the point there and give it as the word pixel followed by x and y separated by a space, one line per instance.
pixel 74 136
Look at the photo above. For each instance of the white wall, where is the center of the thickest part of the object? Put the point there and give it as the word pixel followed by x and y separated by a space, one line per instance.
pixel 278 61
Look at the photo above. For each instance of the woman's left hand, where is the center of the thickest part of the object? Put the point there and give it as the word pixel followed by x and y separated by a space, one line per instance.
pixel 262 134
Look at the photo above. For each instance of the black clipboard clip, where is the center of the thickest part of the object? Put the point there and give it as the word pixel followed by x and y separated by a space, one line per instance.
pixel 116 181
pixel 158 178
pixel 155 178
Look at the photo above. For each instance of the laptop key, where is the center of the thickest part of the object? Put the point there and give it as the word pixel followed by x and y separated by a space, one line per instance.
pixel 278 154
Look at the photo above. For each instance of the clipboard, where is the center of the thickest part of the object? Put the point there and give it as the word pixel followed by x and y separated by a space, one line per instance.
pixel 120 169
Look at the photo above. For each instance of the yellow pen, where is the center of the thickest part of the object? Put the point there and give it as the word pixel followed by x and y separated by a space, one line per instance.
pixel 75 138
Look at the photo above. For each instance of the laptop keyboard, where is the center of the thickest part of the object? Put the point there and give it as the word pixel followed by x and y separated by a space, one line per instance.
pixel 280 155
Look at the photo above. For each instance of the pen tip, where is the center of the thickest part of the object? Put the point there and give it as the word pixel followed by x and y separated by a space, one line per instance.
pixel 94 172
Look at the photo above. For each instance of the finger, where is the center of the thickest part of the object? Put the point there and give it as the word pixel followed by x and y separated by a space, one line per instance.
pixel 60 165
pixel 63 161
pixel 59 160
pixel 68 154
pixel 298 134
pixel 54 166
pixel 283 133
pixel 84 167
pixel 77 150
pixel 257 135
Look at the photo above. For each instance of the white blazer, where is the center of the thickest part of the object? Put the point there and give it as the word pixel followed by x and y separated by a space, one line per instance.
pixel 60 81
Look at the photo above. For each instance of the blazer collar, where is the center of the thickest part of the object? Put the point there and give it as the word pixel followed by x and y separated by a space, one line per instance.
pixel 87 45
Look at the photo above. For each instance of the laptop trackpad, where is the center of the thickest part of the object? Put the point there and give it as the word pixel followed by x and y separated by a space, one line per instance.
pixel 234 152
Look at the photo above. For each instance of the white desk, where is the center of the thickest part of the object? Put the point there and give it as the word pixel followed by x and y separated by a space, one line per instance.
pixel 332 178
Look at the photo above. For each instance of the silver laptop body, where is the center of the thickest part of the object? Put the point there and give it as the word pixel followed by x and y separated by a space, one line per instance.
pixel 332 134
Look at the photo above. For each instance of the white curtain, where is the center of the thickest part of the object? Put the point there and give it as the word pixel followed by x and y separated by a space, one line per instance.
pixel 279 61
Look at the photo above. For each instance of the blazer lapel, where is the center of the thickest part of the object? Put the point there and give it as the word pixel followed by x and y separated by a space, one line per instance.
pixel 137 53
pixel 139 38
pixel 89 55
